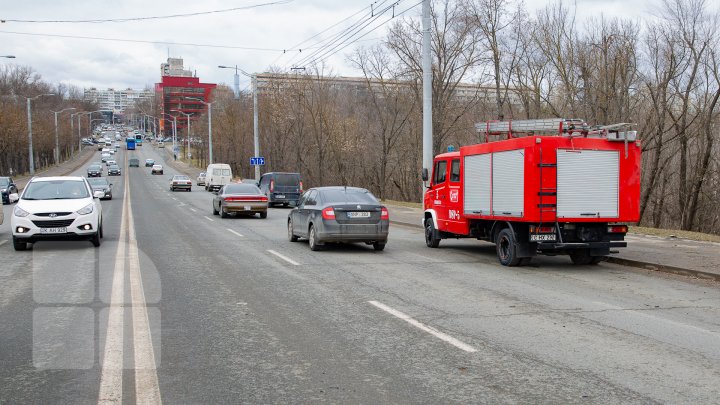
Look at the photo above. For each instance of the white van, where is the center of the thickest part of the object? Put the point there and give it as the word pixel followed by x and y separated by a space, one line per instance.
pixel 218 175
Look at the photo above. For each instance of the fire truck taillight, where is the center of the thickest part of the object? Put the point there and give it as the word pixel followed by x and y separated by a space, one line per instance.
pixel 617 229
pixel 328 213
pixel 541 229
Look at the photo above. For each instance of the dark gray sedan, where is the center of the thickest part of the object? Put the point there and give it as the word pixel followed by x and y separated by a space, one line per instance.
pixel 101 184
pixel 339 214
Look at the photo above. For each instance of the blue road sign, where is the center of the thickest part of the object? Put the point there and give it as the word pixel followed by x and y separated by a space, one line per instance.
pixel 257 161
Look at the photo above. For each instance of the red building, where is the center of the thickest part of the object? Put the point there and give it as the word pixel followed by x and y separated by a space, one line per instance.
pixel 178 93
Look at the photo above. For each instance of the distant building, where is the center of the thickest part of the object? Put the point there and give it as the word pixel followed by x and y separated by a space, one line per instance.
pixel 464 92
pixel 177 91
pixel 116 101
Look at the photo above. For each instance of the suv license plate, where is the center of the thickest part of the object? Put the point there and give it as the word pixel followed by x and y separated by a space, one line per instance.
pixel 53 230
pixel 279 196
pixel 548 237
pixel 358 214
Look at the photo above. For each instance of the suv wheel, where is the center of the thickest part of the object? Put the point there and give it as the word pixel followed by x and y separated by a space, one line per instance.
pixel 18 245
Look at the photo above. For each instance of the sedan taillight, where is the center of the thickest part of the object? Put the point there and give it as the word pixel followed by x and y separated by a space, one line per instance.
pixel 328 213
pixel 384 214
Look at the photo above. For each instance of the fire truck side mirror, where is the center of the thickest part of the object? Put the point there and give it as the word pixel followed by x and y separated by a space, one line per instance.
pixel 424 175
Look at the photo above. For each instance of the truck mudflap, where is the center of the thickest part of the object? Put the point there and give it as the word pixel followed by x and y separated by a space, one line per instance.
pixel 580 245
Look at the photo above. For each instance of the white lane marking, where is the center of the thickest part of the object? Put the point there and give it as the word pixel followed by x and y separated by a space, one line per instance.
pixel 231 231
pixel 193 210
pixel 174 198
pixel 287 259
pixel 147 386
pixel 440 335
pixel 209 219
pixel 2 242
pixel 112 364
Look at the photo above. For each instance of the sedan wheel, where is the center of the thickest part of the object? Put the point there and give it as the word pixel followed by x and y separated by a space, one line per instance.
pixel 215 212
pixel 312 239
pixel 291 235
pixel 223 213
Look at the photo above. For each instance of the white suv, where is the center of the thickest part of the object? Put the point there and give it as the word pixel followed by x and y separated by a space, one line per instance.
pixel 56 208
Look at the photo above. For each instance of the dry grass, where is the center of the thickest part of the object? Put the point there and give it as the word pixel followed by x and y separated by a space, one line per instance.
pixel 704 237
pixel 403 203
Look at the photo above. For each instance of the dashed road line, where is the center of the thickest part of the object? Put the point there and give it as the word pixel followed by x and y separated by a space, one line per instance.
pixel 209 219
pixel 440 335
pixel 193 210
pixel 2 242
pixel 231 231
pixel 287 259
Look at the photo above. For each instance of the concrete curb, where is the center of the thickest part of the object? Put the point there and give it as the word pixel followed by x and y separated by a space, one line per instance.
pixel 664 269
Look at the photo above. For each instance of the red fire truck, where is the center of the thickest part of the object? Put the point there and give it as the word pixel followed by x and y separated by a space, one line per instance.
pixel 549 186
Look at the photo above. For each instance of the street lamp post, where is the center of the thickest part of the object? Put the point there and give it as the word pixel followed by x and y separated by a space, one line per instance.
pixel 174 129
pixel 237 79
pixel 57 141
pixel 188 127
pixel 256 131
pixel 31 159
pixel 210 146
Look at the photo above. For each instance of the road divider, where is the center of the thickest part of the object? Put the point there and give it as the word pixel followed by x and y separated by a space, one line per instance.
pixel 429 329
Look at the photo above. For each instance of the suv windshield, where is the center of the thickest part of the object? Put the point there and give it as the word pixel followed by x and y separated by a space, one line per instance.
pixel 56 190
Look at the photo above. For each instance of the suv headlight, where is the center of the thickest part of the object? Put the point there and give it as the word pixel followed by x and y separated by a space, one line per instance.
pixel 19 212
pixel 88 209
pixel 3 190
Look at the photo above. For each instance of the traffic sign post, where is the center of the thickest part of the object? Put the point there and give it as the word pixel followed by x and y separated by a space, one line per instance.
pixel 257 161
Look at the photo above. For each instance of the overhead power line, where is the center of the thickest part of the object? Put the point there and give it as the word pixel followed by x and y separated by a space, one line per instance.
pixel 120 20
pixel 366 12
pixel 144 42
pixel 326 52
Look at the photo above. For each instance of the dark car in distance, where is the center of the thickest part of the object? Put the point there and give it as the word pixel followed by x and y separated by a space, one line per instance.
pixel 134 162
pixel 339 214
pixel 102 184
pixel 149 162
pixel 114 170
pixel 281 188
pixel 94 171
pixel 7 187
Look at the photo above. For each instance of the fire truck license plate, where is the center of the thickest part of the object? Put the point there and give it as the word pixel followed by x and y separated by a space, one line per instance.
pixel 548 237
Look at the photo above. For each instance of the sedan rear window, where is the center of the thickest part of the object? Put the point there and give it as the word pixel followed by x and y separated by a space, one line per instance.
pixel 348 197
pixel 241 189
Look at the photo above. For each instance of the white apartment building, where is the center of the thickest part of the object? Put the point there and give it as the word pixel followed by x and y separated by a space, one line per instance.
pixel 116 100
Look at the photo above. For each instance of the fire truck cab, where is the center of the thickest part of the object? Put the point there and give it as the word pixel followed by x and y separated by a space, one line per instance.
pixel 552 187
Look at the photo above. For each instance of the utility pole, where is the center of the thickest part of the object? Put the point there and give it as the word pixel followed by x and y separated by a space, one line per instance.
pixel 427 88
pixel 255 126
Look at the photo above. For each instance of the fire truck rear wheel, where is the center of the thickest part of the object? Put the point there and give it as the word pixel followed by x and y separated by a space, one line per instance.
pixel 507 248
pixel 431 237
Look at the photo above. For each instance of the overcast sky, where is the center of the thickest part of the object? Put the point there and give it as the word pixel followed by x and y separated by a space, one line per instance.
pixel 104 63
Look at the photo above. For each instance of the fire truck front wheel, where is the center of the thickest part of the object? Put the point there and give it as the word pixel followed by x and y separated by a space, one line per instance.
pixel 507 248
pixel 431 234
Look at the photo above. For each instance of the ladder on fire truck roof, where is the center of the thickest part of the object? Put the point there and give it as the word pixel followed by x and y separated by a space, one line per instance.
pixel 550 126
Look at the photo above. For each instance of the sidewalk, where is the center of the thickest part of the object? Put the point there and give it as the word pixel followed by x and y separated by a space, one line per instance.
pixel 63 169
pixel 669 255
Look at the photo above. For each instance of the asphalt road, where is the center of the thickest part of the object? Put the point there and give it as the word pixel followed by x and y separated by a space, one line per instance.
pixel 238 314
